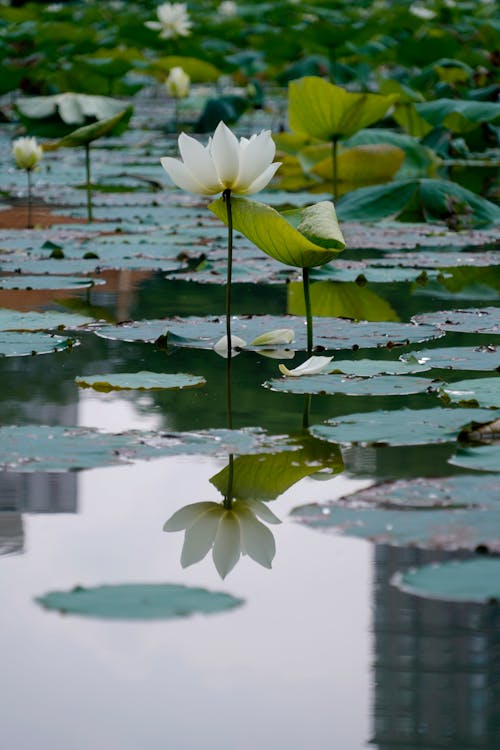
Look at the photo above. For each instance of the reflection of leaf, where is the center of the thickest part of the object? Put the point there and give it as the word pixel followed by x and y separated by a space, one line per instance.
pixel 138 601
pixel 339 300
pixel 303 237
pixel 265 476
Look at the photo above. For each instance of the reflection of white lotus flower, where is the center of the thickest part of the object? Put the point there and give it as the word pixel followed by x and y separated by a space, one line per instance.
pixel 227 532
pixel 243 166
pixel 26 152
pixel 177 83
pixel 173 21
pixel 221 346
pixel 312 366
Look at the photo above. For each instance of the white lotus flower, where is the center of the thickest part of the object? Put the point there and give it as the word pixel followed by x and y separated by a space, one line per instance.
pixel 177 83
pixel 173 21
pixel 227 9
pixel 312 366
pixel 420 11
pixel 227 532
pixel 222 348
pixel 278 336
pixel 27 153
pixel 243 166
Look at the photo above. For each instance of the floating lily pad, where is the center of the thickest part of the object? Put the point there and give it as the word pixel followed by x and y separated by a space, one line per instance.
pixel 476 580
pixel 462 491
pixel 329 333
pixel 372 274
pixel 141 381
pixel 474 320
pixel 399 427
pixel 17 281
pixel 43 448
pixel 484 392
pixel 439 528
pixel 478 458
pixel 367 368
pixel 138 601
pixel 456 358
pixel 21 344
pixel 381 385
pixel 13 320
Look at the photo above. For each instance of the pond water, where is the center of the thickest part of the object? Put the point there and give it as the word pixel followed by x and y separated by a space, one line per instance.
pixel 324 650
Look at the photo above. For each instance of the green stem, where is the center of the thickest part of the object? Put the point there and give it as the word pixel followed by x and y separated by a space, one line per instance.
pixel 306 416
pixel 335 169
pixel 30 201
pixel 228 499
pixel 89 184
pixel 226 195
pixel 307 300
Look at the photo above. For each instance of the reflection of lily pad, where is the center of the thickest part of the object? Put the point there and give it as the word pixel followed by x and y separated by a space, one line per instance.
pixel 484 392
pixel 399 427
pixel 456 358
pixel 12 320
pixel 138 601
pixel 476 580
pixel 474 320
pixel 381 385
pixel 141 381
pixel 478 458
pixel 17 281
pixel 331 333
pixel 14 344
pixel 44 448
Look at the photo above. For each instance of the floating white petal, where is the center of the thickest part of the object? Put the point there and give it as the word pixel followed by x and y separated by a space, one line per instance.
pixel 312 366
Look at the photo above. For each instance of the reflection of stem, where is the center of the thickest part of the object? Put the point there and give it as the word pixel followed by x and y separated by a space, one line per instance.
pixel 89 186
pixel 307 411
pixel 30 217
pixel 307 300
pixel 334 164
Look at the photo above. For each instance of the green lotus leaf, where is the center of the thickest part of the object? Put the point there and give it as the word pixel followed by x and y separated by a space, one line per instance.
pixel 367 368
pixel 322 110
pixel 459 115
pixel 330 384
pixel 138 601
pixel 477 458
pixel 199 71
pixel 18 281
pixel 141 381
pixel 301 237
pixel 484 392
pixel 399 427
pixel 22 344
pixel 484 358
pixel 88 133
pixel 476 580
pixel 473 320
pixel 418 158
pixel 367 163
pixel 57 115
pixel 13 320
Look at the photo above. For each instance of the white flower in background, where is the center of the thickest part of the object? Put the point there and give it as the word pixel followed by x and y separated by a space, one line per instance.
pixel 27 152
pixel 228 9
pixel 177 83
pixel 312 366
pixel 221 346
pixel 227 532
pixel 173 21
pixel 420 11
pixel 243 166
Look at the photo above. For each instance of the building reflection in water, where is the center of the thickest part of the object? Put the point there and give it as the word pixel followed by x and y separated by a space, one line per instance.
pixel 437 665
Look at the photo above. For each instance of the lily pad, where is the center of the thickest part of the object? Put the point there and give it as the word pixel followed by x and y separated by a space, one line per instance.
pixel 141 381
pixel 17 281
pixel 13 320
pixel 29 448
pixel 21 344
pixel 473 320
pixel 484 392
pixel 478 458
pixel 456 358
pixel 138 601
pixel 367 368
pixel 381 385
pixel 329 333
pixel 476 580
pixel 399 427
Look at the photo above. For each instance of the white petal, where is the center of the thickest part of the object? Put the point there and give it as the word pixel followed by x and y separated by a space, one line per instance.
pixel 187 515
pixel 182 177
pixel 154 25
pixel 227 545
pixel 262 180
pixel 199 163
pixel 255 157
pixel 278 336
pixel 221 346
pixel 262 511
pixel 200 537
pixel 225 151
pixel 311 366
pixel 257 541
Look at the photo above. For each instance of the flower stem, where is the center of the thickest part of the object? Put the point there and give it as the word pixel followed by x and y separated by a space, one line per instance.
pixel 227 198
pixel 307 300
pixel 30 202
pixel 228 498
pixel 306 415
pixel 89 184
pixel 335 169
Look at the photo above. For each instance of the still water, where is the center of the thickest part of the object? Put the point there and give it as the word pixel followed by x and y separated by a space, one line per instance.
pixel 322 653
